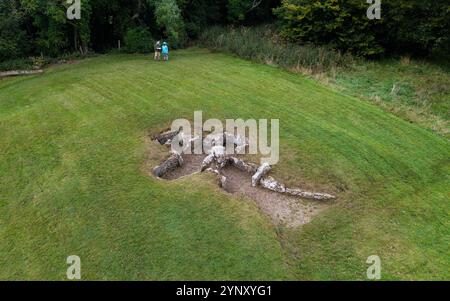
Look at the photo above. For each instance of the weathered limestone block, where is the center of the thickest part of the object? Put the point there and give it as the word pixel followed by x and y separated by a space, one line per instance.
pixel 261 172
pixel 173 162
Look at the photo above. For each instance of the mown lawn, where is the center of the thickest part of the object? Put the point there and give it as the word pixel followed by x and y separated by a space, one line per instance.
pixel 73 146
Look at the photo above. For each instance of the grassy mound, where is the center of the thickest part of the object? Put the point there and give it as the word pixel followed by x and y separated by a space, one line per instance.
pixel 73 146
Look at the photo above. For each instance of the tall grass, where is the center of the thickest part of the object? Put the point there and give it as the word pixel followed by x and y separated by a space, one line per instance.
pixel 262 44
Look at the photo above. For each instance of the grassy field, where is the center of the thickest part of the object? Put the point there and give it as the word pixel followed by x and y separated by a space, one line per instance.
pixel 415 90
pixel 73 146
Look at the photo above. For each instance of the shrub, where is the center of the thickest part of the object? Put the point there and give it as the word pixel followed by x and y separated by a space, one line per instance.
pixel 16 64
pixel 138 40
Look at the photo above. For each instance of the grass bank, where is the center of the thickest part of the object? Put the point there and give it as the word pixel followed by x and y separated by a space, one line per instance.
pixel 73 143
pixel 417 91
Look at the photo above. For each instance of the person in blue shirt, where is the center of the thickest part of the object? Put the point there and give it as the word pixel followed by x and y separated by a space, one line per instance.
pixel 165 51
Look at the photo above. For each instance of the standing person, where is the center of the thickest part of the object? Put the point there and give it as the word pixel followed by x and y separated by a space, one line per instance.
pixel 158 50
pixel 165 51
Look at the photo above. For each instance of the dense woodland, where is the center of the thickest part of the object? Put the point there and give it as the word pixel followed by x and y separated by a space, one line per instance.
pixel 41 27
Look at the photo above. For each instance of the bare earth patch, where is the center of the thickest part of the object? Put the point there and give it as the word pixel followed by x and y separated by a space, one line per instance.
pixel 191 165
pixel 283 209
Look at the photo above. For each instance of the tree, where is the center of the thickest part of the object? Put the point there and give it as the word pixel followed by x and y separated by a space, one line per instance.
pixel 342 24
pixel 50 23
pixel 81 33
pixel 168 18
pixel 406 26
pixel 12 37
pixel 198 14
pixel 238 9
pixel 417 27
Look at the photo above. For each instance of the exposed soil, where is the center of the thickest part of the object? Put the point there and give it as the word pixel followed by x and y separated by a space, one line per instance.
pixel 283 209
pixel 191 165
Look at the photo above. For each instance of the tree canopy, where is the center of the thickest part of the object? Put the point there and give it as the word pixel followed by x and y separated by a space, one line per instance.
pixel 34 27
pixel 29 27
pixel 406 26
